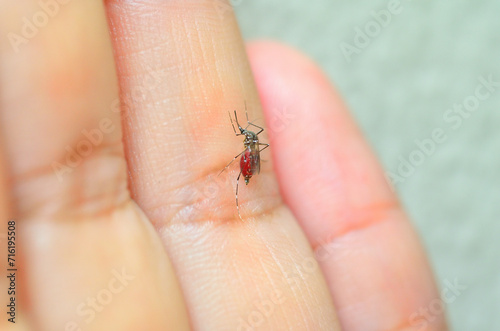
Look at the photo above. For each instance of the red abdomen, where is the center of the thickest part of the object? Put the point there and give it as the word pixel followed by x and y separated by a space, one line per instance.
pixel 250 163
pixel 246 164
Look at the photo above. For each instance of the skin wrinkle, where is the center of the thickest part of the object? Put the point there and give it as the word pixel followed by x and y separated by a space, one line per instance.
pixel 302 275
pixel 305 274
pixel 200 241
pixel 297 295
pixel 359 219
pixel 311 297
pixel 285 276
pixel 195 186
pixel 80 206
pixel 406 325
pixel 268 278
pixel 274 285
pixel 389 271
pixel 283 273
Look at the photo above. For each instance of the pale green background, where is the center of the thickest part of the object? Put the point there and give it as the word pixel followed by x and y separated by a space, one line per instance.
pixel 427 59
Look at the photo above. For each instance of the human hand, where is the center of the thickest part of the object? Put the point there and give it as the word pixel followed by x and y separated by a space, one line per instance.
pixel 141 233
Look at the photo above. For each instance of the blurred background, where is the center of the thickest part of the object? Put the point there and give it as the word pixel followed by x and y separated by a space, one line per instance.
pixel 422 79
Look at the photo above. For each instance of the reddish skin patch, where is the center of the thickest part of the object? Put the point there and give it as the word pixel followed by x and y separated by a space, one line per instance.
pixel 202 123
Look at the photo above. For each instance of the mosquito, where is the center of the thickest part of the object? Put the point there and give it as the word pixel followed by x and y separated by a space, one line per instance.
pixel 250 156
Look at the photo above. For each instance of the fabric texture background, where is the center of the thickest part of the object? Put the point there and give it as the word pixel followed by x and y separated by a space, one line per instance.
pixel 401 86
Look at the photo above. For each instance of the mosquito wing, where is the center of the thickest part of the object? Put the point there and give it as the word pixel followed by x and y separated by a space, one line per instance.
pixel 255 159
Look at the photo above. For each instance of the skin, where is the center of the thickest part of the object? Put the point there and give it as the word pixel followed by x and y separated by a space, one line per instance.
pixel 141 233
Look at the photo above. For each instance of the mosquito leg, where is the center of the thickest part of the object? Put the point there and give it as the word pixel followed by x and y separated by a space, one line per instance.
pixel 261 128
pixel 246 111
pixel 237 123
pixel 237 203
pixel 234 129
pixel 230 163
pixel 267 145
pixel 250 123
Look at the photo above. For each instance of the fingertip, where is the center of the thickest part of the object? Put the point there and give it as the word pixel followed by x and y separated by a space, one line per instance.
pixel 269 51
pixel 280 71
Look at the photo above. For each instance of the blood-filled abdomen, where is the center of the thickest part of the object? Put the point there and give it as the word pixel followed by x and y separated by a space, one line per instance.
pixel 246 164
pixel 250 163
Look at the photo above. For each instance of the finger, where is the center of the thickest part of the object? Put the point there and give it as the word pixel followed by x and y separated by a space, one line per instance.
pixel 375 267
pixel 91 260
pixel 236 275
